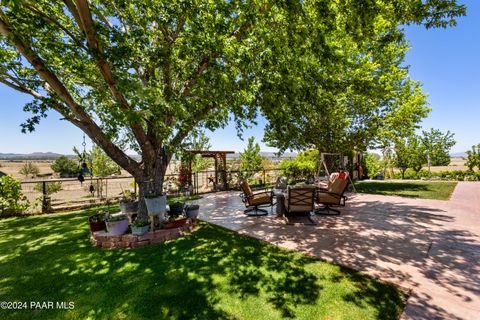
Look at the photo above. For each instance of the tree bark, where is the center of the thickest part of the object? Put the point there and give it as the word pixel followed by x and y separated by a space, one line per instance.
pixel 150 180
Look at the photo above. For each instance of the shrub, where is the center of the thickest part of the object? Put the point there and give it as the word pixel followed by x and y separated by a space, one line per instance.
pixel 302 167
pixel 63 165
pixel 12 200
pixel 29 169
pixel 455 175
pixel 371 165
pixel 50 187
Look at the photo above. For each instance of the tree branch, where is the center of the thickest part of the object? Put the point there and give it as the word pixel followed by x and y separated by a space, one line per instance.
pixel 182 133
pixel 55 22
pixel 202 66
pixel 22 89
pixel 83 119
pixel 96 50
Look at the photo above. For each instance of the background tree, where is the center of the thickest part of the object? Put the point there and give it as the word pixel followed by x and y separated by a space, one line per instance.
pixel 349 100
pixel 50 188
pixel 473 158
pixel 250 159
pixel 197 140
pixel 372 164
pixel 409 153
pixel 65 166
pixel 304 166
pixel 438 145
pixel 29 169
pixel 98 162
pixel 142 75
pixel 101 164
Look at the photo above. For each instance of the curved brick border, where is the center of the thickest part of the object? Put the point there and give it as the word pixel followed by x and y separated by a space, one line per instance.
pixel 103 239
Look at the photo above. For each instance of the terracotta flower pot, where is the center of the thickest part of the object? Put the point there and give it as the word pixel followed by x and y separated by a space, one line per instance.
pixel 97 226
pixel 175 224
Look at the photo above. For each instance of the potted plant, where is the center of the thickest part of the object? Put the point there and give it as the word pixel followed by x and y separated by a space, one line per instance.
pixel 96 222
pixel 191 211
pixel 156 205
pixel 174 219
pixel 176 208
pixel 117 224
pixel 139 227
pixel 129 204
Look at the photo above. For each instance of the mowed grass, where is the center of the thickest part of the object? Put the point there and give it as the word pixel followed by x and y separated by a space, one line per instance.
pixel 211 274
pixel 438 190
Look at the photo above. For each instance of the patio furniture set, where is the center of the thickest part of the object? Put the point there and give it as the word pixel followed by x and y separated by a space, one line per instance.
pixel 309 199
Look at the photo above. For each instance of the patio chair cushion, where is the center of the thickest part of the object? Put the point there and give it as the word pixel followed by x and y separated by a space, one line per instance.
pixel 337 186
pixel 260 198
pixel 300 198
pixel 333 176
pixel 246 188
pixel 327 198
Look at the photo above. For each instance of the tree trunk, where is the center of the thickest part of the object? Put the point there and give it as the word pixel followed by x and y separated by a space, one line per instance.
pixel 403 173
pixel 151 181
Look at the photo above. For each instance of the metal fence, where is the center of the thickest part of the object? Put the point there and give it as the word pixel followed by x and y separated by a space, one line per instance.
pixel 71 194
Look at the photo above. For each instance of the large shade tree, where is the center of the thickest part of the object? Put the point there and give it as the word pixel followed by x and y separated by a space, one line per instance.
pixel 142 75
pixel 360 95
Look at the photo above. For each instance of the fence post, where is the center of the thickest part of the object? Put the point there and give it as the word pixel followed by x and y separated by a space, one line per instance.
pixel 264 178
pixel 44 195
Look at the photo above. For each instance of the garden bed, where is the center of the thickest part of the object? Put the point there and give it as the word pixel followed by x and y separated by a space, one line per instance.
pixel 103 239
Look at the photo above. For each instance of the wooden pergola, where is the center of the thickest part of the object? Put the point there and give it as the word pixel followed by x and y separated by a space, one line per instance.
pixel 220 158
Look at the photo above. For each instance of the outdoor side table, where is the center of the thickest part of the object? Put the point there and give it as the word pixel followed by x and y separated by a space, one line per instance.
pixel 280 208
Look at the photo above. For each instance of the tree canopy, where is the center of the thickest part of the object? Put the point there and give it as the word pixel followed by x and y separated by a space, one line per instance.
pixel 437 145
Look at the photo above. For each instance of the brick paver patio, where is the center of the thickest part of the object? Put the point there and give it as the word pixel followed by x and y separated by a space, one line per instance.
pixel 431 247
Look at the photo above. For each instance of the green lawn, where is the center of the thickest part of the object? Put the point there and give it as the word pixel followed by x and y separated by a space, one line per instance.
pixel 438 190
pixel 211 274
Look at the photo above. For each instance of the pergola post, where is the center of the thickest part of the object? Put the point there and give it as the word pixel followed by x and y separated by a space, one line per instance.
pixel 220 158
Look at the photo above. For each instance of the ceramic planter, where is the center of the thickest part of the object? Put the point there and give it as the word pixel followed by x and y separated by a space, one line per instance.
pixel 117 228
pixel 176 209
pixel 129 207
pixel 175 224
pixel 157 206
pixel 139 231
pixel 192 211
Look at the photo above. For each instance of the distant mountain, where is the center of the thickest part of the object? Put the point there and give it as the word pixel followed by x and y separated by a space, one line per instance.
pixel 31 156
pixel 458 155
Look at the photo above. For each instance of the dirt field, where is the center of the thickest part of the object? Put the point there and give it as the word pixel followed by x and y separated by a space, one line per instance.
pixel 455 164
pixel 12 168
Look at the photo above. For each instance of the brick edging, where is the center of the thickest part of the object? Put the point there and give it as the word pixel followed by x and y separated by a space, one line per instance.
pixel 103 239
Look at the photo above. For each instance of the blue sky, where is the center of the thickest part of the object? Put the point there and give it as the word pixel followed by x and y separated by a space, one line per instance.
pixel 445 61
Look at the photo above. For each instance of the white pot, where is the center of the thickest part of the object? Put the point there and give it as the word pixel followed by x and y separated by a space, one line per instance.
pixel 157 206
